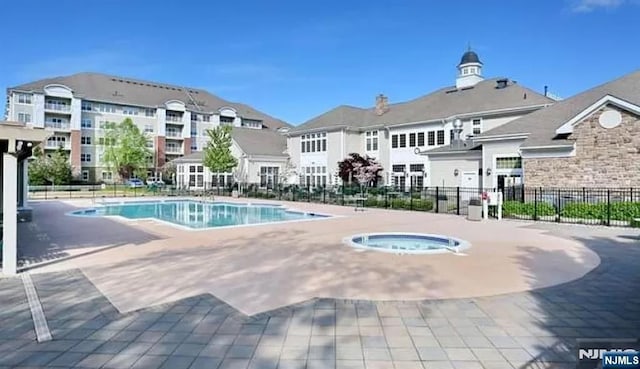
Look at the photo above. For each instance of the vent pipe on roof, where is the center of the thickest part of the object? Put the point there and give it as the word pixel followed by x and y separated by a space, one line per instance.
pixel 546 90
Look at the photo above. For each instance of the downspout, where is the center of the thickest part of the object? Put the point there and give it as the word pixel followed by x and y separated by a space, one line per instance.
pixel 388 181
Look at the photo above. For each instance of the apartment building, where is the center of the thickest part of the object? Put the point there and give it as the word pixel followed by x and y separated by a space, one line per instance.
pixel 77 107
pixel 399 134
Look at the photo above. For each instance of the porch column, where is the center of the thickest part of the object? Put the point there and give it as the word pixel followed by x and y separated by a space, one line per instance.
pixel 10 217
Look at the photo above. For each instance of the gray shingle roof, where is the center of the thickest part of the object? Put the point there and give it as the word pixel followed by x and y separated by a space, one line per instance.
pixel 251 141
pixel 465 146
pixel 441 104
pixel 542 124
pixel 121 90
pixel 260 142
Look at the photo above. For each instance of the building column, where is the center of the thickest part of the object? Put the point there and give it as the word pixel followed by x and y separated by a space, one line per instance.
pixel 10 217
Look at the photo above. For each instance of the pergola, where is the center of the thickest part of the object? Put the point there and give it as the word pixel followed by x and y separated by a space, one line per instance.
pixel 16 143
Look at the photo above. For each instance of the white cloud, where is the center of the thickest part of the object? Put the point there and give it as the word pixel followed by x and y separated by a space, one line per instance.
pixel 585 6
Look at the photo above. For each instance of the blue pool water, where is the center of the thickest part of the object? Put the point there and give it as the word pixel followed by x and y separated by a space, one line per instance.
pixel 199 215
pixel 407 243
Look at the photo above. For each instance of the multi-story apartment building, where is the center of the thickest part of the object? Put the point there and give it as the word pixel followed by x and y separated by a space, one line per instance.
pixel 77 107
pixel 397 135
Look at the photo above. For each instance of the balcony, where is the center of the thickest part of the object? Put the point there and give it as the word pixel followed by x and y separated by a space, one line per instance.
pixel 176 150
pixel 64 108
pixel 57 145
pixel 57 126
pixel 173 119
pixel 174 134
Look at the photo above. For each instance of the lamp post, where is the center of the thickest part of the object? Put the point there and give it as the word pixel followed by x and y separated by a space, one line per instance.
pixel 457 130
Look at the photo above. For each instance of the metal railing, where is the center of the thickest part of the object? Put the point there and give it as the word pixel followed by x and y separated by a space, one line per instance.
pixel 64 126
pixel 597 206
pixel 57 107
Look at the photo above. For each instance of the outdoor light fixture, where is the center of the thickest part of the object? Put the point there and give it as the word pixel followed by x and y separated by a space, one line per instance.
pixel 456 172
pixel 488 171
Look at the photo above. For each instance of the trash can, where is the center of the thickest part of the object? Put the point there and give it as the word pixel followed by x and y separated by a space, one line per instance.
pixel 443 204
pixel 475 210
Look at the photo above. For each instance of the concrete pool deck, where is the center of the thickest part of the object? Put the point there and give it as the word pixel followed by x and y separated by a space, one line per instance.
pixel 256 269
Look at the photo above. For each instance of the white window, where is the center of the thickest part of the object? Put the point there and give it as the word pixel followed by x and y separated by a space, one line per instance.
pixel 107 176
pixel 24 118
pixel 85 157
pixel 315 142
pixel 371 140
pixel 106 108
pixel 56 141
pixel 86 106
pixel 86 123
pixel 194 146
pixel 268 176
pixel 148 128
pixel 150 112
pixel 128 110
pixel 24 98
pixel 85 140
pixel 477 126
pixel 206 118
pixel 513 162
pixel 85 175
pixel 149 144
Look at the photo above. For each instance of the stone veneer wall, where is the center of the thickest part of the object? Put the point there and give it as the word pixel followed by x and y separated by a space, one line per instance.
pixel 604 157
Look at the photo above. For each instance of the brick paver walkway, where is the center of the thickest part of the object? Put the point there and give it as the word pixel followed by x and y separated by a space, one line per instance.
pixel 524 330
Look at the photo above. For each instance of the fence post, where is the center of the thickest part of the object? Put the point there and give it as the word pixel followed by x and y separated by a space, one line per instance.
pixel 308 193
pixel 411 197
pixel 342 192
pixel 114 189
pixel 69 190
pixel 45 191
pixel 608 207
pixel 324 194
pixel 535 204
pixel 631 194
pixel 437 198
pixel 458 200
pixel 386 197
pixel 558 207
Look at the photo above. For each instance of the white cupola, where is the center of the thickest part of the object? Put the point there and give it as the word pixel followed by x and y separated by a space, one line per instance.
pixel 469 70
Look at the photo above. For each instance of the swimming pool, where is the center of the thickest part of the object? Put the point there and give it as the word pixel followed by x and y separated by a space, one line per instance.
pixel 200 215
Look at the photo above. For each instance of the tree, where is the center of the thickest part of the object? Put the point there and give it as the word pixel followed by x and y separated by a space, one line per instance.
pixel 217 153
pixel 38 168
pixel 289 170
pixel 60 171
pixel 126 150
pixel 359 170
pixel 169 172
pixel 54 168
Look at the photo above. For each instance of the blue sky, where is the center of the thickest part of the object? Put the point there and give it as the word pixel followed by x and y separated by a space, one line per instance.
pixel 297 59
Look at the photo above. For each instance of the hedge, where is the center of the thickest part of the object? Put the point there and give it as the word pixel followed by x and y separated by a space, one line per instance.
pixel 417 204
pixel 619 210
pixel 530 209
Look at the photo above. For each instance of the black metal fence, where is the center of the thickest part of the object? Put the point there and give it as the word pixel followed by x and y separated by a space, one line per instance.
pixel 601 206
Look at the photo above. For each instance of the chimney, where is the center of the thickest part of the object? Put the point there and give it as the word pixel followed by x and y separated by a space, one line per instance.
pixel 382 104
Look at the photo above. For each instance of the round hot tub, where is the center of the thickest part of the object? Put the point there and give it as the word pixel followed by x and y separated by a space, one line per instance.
pixel 408 243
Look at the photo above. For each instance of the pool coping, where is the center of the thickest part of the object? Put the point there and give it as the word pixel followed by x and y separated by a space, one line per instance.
pixel 462 244
pixel 321 216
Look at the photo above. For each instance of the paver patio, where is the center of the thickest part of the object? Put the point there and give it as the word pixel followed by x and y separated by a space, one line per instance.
pixel 261 268
pixel 531 329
